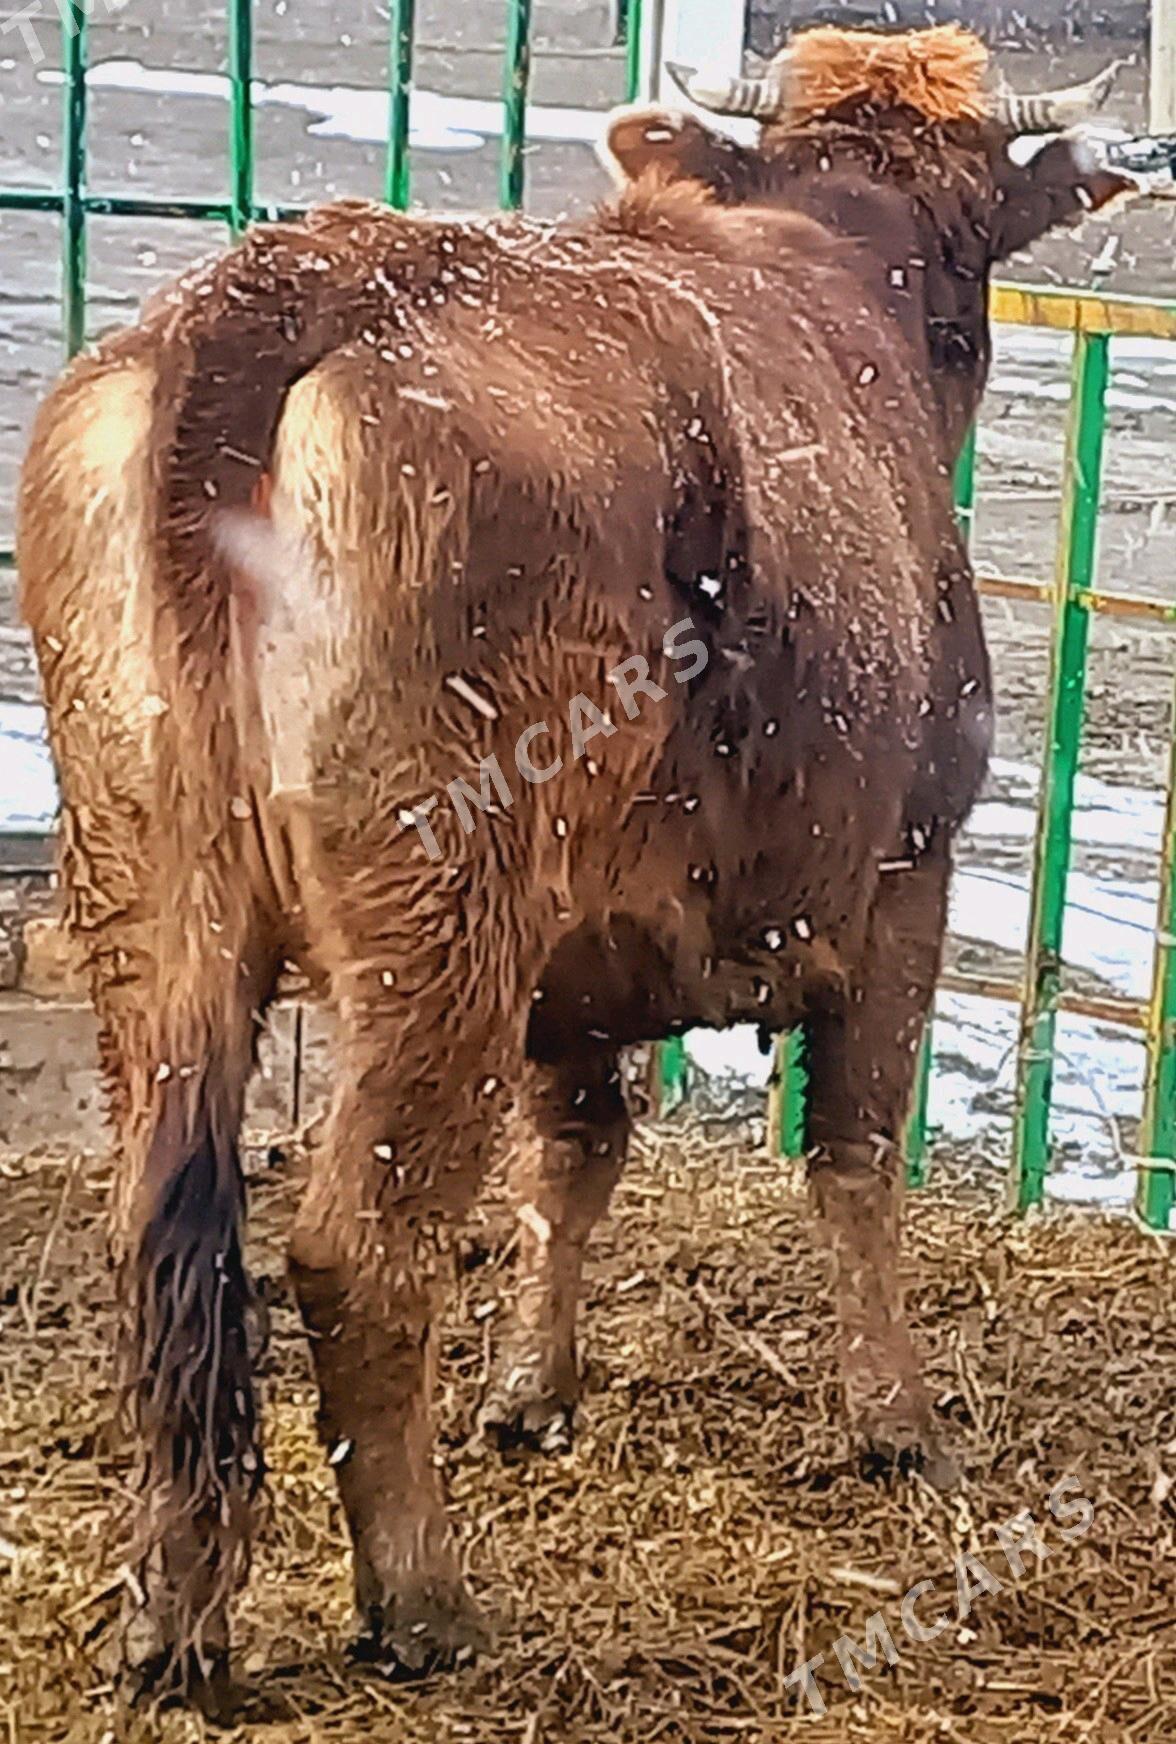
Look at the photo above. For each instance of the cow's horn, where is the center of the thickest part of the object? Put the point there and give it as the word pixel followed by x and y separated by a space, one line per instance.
pixel 759 99
pixel 1051 111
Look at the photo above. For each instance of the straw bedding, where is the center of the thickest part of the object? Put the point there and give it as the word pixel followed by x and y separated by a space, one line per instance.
pixel 710 1530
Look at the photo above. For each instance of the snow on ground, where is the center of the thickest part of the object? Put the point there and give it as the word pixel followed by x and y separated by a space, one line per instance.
pixel 28 796
pixel 350 112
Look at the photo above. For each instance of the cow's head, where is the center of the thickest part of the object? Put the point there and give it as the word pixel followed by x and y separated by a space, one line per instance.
pixel 893 141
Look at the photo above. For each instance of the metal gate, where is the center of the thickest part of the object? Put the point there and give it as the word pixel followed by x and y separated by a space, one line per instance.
pixel 1073 596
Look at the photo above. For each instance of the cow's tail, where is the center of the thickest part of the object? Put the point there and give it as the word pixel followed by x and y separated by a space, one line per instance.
pixel 189 1374
pixel 246 330
pixel 233 339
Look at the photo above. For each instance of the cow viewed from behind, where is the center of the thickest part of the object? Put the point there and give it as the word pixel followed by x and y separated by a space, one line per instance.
pixel 550 639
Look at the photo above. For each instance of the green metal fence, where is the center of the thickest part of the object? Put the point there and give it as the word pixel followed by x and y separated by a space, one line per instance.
pixel 76 203
pixel 1073 596
pixel 1094 322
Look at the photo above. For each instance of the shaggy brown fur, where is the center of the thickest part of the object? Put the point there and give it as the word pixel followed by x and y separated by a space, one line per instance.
pixel 937 73
pixel 932 208
pixel 329 534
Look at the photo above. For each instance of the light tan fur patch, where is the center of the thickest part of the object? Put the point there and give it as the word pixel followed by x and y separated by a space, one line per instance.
pixel 101 461
pixel 938 72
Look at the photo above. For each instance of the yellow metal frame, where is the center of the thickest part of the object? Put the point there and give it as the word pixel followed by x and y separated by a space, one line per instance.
pixel 1070 311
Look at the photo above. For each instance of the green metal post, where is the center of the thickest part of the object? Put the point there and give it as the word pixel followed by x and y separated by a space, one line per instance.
pixel 73 209
pixel 514 100
pixel 398 181
pixel 633 24
pixel 790 1101
pixel 965 485
pixel 1051 862
pixel 1155 1194
pixel 671 1073
pixel 915 1137
pixel 241 114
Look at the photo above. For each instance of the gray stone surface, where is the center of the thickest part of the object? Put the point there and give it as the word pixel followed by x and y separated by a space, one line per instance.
pixel 50 1092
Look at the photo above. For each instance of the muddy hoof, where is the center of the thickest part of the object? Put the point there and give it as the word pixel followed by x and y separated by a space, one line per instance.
pixel 532 1422
pixel 143 1672
pixel 417 1635
pixel 887 1453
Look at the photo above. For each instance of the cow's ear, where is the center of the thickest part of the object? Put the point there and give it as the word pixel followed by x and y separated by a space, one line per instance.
pixel 676 147
pixel 1061 184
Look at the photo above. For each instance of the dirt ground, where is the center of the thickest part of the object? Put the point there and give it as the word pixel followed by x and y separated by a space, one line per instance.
pixel 710 1530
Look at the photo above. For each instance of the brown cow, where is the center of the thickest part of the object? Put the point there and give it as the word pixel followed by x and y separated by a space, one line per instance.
pixel 551 639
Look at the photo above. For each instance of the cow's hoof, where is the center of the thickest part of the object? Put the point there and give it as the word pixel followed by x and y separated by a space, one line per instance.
pixel 143 1671
pixel 418 1634
pixel 887 1452
pixel 528 1418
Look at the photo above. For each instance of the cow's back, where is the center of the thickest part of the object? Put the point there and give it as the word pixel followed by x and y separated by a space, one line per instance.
pixel 616 444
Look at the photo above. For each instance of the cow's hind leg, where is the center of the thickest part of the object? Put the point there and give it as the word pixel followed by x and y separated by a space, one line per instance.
pixel 571 1149
pixel 424 1078
pixel 863 1052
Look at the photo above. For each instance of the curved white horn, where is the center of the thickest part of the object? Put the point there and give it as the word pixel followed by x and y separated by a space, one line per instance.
pixel 1051 111
pixel 759 99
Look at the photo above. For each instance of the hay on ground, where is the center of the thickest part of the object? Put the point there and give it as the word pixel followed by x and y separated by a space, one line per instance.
pixel 709 1532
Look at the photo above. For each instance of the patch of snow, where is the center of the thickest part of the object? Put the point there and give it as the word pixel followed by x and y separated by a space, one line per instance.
pixel 437 123
pixel 28 798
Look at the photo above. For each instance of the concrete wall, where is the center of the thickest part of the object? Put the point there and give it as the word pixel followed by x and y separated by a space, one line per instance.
pixel 28 906
pixel 51 1096
pixel 49 1087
